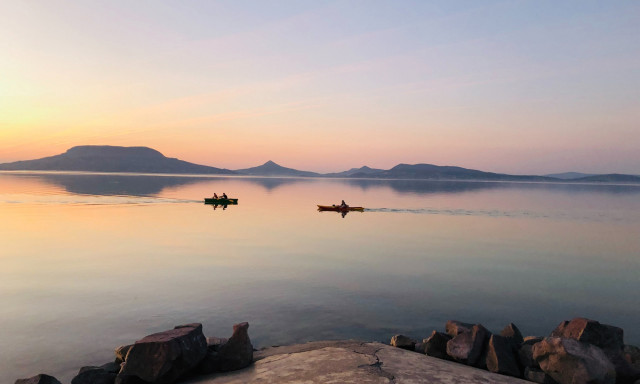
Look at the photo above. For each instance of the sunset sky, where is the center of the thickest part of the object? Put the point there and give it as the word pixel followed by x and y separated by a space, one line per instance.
pixel 505 86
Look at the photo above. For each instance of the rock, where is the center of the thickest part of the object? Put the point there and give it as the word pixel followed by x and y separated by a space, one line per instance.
pixel 537 376
pixel 525 352
pixel 404 342
pixel 111 367
pixel 436 345
pixel 121 353
pixel 214 343
pixel 236 353
pixel 569 361
pixel 468 347
pixel 453 328
pixel 512 333
pixel 165 356
pixel 95 375
pixel 39 379
pixel 501 357
pixel 607 337
pixel 421 347
pixel 632 355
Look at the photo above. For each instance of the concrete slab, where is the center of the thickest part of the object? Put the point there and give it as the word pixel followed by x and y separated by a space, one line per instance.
pixel 351 361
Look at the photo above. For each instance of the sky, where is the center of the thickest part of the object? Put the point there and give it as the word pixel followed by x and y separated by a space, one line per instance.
pixel 522 87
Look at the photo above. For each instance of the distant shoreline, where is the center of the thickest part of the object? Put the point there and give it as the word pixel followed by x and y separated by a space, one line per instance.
pixel 321 177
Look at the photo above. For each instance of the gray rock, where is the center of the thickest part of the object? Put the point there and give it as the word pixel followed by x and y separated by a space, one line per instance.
pixel 468 347
pixel 525 352
pixel 569 361
pixel 111 367
pixel 436 345
pixel 538 376
pixel 453 327
pixel 512 333
pixel 501 356
pixel 94 375
pixel 164 357
pixel 421 347
pixel 404 342
pixel 39 379
pixel 236 353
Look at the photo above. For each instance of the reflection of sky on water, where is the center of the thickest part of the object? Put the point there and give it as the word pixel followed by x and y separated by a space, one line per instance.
pixel 79 277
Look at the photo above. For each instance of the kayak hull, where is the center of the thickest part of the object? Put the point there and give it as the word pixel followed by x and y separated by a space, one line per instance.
pixel 220 201
pixel 337 208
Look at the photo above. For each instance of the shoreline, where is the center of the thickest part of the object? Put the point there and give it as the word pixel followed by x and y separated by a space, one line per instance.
pixel 576 351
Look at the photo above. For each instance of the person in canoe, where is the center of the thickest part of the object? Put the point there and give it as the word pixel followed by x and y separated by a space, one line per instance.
pixel 215 195
pixel 343 205
pixel 224 195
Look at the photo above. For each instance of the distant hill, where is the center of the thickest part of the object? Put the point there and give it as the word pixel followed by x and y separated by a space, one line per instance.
pixel 609 178
pixel 272 169
pixel 355 171
pixel 569 175
pixel 103 158
pixel 436 172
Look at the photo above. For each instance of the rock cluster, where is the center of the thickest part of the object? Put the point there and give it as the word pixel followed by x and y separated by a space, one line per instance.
pixel 577 351
pixel 166 357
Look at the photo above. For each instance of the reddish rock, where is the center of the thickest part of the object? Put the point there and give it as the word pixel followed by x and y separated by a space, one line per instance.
pixel 607 337
pixel 436 345
pixel 501 357
pixel 236 353
pixel 468 347
pixel 404 342
pixel 39 379
pixel 569 361
pixel 163 357
pixel 632 355
pixel 512 333
pixel 453 328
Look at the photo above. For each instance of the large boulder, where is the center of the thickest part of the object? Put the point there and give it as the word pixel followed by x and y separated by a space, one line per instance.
pixel 606 337
pixel 512 333
pixel 609 338
pixel 436 345
pixel 163 357
pixel 39 379
pixel 453 327
pixel 501 356
pixel 236 353
pixel 569 361
pixel 404 342
pixel 105 374
pixel 468 347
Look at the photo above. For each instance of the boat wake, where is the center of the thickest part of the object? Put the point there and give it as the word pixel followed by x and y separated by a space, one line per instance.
pixel 557 215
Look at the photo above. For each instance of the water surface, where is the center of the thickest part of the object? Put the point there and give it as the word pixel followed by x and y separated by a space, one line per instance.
pixel 90 262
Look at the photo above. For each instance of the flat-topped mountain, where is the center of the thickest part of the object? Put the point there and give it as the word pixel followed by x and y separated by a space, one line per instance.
pixel 104 158
pixel 569 175
pixel 272 169
pixel 437 172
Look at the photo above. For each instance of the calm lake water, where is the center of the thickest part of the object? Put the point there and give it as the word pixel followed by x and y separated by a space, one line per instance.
pixel 90 262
